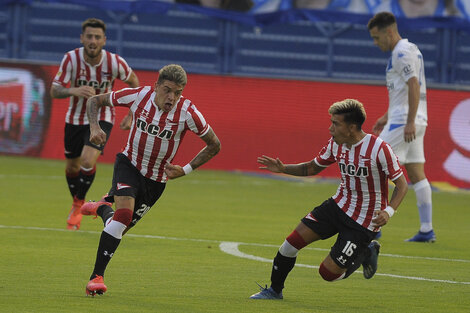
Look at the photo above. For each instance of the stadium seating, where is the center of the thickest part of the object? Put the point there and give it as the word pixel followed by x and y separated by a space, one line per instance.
pixel 43 31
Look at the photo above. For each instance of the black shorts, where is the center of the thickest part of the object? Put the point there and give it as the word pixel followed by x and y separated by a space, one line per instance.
pixel 328 220
pixel 128 181
pixel 77 136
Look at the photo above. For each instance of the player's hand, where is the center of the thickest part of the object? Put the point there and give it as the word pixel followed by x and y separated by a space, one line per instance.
pixel 270 164
pixel 410 132
pixel 83 91
pixel 173 171
pixel 126 122
pixel 380 219
pixel 97 136
pixel 379 125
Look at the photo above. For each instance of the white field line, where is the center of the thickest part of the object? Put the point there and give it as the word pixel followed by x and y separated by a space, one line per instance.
pixel 232 248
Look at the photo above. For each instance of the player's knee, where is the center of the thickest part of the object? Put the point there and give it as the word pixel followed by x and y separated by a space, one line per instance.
pixel 123 216
pixel 327 275
pixel 296 240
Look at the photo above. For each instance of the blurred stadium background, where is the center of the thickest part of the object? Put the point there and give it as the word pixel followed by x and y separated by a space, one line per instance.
pixel 263 80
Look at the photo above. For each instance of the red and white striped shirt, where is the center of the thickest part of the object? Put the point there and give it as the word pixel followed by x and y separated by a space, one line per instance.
pixel 155 135
pixel 365 170
pixel 75 70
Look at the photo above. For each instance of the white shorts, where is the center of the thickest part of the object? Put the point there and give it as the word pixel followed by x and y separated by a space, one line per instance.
pixel 407 152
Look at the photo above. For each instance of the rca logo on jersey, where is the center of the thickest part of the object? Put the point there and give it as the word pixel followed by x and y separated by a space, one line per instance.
pixel 352 170
pixel 154 130
pixel 93 83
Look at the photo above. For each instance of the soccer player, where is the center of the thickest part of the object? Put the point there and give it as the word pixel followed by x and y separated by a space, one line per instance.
pixel 404 124
pixel 358 209
pixel 90 70
pixel 161 117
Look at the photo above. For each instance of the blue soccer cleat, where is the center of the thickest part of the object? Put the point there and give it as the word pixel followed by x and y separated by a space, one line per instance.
pixel 267 294
pixel 369 266
pixel 423 237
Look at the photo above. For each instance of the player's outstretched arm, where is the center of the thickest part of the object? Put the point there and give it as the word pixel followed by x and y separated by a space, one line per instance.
pixel 301 169
pixel 208 152
pixel 97 135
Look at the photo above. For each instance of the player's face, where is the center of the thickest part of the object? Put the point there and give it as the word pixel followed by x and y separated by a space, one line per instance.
pixel 167 95
pixel 381 38
pixel 339 129
pixel 93 40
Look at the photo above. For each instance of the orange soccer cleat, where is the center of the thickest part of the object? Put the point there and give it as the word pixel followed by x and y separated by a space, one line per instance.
pixel 75 216
pixel 96 286
pixel 90 207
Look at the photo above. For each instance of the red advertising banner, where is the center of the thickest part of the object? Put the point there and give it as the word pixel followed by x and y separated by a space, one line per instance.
pixel 281 118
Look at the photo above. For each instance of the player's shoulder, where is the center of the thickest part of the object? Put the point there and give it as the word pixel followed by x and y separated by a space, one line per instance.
pixel 404 48
pixel 73 52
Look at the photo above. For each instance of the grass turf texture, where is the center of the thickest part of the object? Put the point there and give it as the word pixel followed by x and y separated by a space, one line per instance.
pixel 44 268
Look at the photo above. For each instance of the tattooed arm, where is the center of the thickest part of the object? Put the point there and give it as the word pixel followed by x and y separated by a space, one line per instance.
pixel 208 152
pixel 97 135
pixel 302 169
pixel 60 92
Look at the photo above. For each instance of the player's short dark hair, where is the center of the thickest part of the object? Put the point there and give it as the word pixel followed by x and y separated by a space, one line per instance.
pixel 381 20
pixel 174 73
pixel 352 110
pixel 95 23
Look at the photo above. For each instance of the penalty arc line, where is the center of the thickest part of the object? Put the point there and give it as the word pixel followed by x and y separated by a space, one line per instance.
pixel 232 248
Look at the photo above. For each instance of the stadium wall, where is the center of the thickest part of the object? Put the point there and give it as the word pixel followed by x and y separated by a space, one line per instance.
pixel 252 116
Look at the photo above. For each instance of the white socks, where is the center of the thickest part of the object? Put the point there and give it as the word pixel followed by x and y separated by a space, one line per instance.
pixel 424 202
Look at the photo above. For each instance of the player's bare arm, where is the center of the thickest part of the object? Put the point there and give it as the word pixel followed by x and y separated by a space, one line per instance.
pixel 132 81
pixel 301 169
pixel 126 122
pixel 208 152
pixel 61 92
pixel 380 124
pixel 97 135
pixel 399 192
pixel 413 101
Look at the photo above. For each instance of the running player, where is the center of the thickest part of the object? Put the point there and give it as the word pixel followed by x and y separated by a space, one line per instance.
pixel 161 117
pixel 357 210
pixel 90 70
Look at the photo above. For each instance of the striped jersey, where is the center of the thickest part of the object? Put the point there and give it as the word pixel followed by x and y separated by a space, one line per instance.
pixel 365 169
pixel 75 70
pixel 155 135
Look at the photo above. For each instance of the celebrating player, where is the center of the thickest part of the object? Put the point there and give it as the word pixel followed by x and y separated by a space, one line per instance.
pixel 404 124
pixel 161 117
pixel 357 210
pixel 90 70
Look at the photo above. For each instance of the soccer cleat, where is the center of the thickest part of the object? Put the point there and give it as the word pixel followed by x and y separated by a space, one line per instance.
pixel 96 286
pixel 267 294
pixel 423 237
pixel 75 216
pixel 90 207
pixel 369 266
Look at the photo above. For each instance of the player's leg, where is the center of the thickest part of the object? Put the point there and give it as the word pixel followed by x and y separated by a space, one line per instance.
pixel 89 156
pixel 415 169
pixel 88 161
pixel 284 261
pixel 109 241
pixel 73 145
pixel 306 232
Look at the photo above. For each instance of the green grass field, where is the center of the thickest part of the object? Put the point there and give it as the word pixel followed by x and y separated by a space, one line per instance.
pixel 172 260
